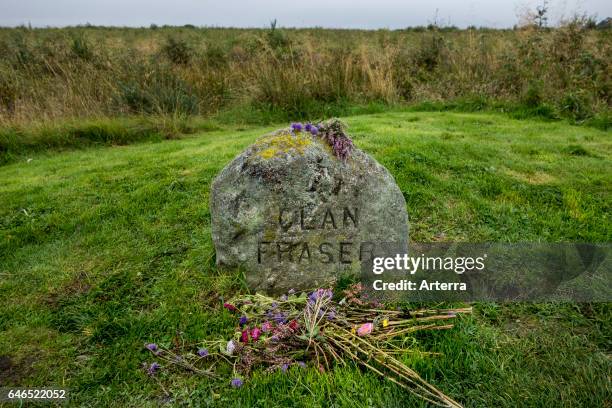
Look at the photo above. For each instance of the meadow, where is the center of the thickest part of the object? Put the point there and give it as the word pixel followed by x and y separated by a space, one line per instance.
pixel 106 248
pixel 117 79
pixel 110 138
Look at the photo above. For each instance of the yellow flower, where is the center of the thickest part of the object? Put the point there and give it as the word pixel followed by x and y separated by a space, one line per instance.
pixel 385 322
pixel 353 330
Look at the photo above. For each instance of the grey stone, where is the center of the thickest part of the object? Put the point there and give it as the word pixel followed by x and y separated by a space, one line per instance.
pixel 291 214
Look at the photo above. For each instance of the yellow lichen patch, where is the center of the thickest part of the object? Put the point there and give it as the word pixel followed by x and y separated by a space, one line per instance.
pixel 271 146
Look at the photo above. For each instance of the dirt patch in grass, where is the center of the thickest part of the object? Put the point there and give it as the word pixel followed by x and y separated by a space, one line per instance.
pixel 77 286
pixel 12 371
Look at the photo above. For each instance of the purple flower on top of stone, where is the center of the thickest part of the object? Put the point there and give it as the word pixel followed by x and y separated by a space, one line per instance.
pixel 334 133
pixel 342 147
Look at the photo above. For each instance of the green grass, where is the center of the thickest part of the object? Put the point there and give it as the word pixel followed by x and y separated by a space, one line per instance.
pixel 106 248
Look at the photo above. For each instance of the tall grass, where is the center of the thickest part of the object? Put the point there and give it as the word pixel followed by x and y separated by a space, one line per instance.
pixel 92 72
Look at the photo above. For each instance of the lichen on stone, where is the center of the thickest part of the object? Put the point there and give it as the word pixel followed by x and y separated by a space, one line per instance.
pixel 282 142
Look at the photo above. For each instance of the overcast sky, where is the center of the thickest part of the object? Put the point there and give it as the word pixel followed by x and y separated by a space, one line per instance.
pixel 305 13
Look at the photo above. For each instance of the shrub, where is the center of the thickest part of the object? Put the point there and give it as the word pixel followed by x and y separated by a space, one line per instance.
pixel 276 37
pixel 575 106
pixel 430 52
pixel 177 51
pixel 162 93
pixel 533 95
pixel 8 93
pixel 81 48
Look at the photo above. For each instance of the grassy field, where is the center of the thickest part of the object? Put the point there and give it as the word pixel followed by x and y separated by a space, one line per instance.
pixel 51 75
pixel 107 248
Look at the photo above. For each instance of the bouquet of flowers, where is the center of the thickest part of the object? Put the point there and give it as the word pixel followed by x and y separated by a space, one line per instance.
pixel 314 329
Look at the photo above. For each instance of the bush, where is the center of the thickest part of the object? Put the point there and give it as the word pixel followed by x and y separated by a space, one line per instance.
pixel 576 107
pixel 430 52
pixel 533 96
pixel 177 51
pixel 81 48
pixel 162 93
pixel 276 37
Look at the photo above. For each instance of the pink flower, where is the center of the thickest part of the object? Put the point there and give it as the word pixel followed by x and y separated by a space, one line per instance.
pixel 293 325
pixel 245 336
pixel 365 329
pixel 266 327
pixel 255 333
pixel 230 307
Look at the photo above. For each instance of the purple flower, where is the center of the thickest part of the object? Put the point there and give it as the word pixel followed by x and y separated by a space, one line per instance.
pixel 203 352
pixel 243 320
pixel 320 294
pixel 308 127
pixel 302 364
pixel 285 367
pixel 266 327
pixel 151 347
pixel 342 147
pixel 296 127
pixel 314 131
pixel 333 132
pixel 237 382
pixel 280 318
pixel 331 315
pixel 153 368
